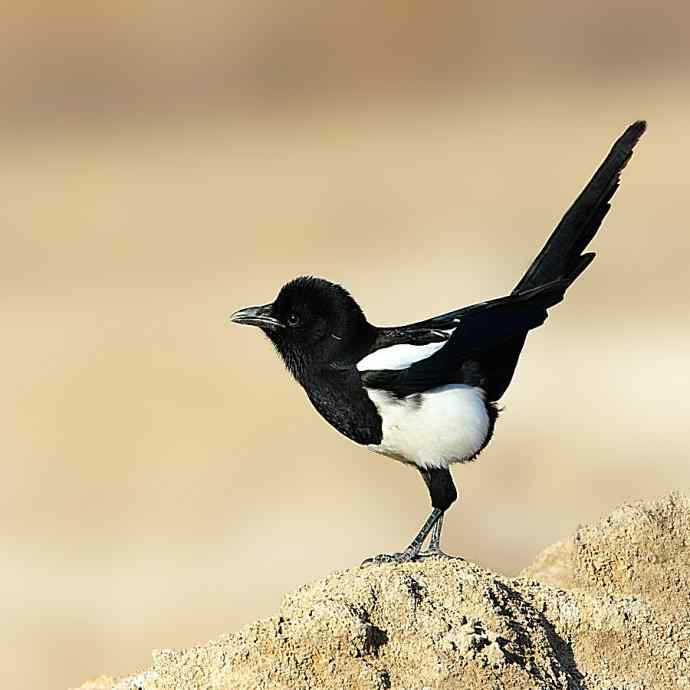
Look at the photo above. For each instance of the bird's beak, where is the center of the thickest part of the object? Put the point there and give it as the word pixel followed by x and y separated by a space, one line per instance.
pixel 257 316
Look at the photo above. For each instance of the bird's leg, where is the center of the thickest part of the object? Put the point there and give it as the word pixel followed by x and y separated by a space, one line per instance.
pixel 412 551
pixel 442 493
pixel 434 550
pixel 435 541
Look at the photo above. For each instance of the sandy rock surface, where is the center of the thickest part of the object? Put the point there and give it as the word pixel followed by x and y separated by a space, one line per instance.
pixel 608 609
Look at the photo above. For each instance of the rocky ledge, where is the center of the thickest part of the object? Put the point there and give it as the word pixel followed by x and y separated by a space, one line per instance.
pixel 608 609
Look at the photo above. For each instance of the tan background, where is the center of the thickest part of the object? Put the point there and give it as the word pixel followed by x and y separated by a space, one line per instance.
pixel 163 480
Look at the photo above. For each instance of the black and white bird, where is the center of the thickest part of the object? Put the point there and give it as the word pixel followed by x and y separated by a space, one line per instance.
pixel 425 394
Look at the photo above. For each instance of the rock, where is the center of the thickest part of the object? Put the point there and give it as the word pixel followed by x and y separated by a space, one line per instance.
pixel 608 609
pixel 626 604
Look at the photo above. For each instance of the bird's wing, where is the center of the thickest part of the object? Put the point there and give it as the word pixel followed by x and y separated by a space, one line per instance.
pixel 437 326
pixel 480 344
pixel 405 368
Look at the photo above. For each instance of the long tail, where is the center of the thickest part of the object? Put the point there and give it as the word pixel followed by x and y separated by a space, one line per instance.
pixel 562 257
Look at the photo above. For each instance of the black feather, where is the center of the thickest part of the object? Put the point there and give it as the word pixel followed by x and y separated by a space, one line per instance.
pixel 562 250
pixel 490 335
pixel 562 254
pixel 484 348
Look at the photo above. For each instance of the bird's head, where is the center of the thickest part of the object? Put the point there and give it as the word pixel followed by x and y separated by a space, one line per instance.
pixel 312 323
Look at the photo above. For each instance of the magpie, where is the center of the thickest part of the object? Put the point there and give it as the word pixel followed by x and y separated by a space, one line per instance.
pixel 426 394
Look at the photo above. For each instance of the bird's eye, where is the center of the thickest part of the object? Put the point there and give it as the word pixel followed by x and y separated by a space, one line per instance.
pixel 293 320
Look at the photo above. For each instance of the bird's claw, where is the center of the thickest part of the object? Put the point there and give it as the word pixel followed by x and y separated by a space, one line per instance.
pixel 402 557
pixel 437 553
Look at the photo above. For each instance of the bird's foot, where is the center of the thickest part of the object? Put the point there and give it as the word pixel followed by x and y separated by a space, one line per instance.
pixel 437 553
pixel 403 557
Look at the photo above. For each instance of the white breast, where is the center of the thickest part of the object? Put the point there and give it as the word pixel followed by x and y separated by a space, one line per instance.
pixel 432 429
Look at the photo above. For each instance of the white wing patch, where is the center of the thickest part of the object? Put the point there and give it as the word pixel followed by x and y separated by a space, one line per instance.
pixel 432 429
pixel 398 356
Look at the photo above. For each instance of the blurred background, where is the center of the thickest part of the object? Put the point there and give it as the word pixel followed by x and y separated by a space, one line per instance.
pixel 165 163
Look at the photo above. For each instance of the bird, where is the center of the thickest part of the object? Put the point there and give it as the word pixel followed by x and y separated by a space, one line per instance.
pixel 427 393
